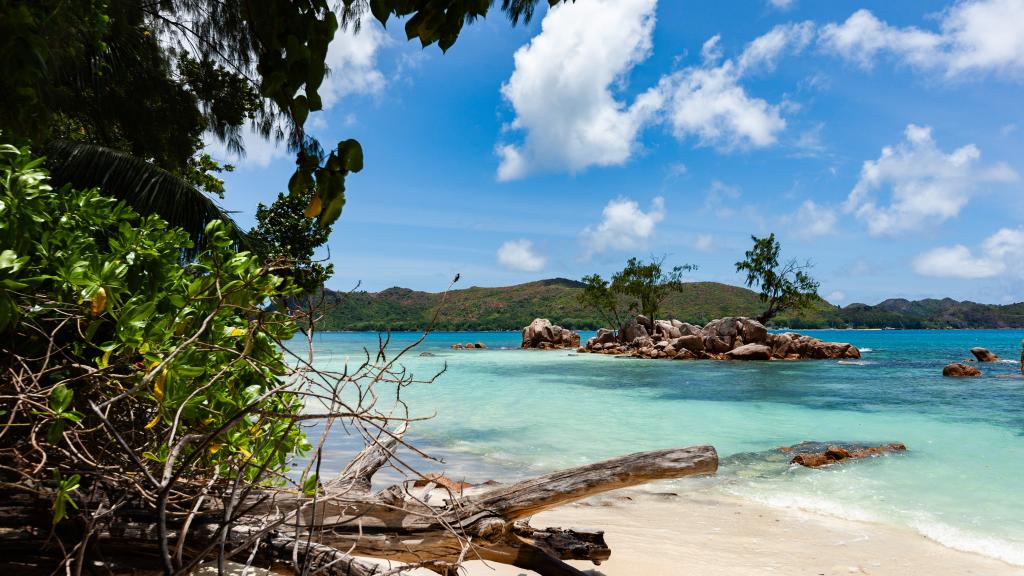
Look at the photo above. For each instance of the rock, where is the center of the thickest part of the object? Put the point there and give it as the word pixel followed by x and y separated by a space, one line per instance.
pixel 456 346
pixel 665 329
pixel 958 370
pixel 689 342
pixel 690 330
pixel 645 322
pixel 781 344
pixel 751 331
pixel 750 352
pixel 715 345
pixel 834 454
pixel 685 354
pixel 544 335
pixel 605 336
pixel 983 355
pixel 633 330
pixel 581 350
pixel 480 346
pixel 427 354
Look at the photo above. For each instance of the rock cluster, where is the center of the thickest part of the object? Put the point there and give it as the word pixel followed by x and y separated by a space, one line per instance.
pixel 834 454
pixel 960 370
pixel 541 333
pixel 732 338
pixel 469 346
pixel 983 354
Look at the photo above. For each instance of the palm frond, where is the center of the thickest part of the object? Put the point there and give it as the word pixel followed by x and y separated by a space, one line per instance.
pixel 148 189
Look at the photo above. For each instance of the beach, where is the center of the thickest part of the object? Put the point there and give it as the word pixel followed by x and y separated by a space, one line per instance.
pixel 708 534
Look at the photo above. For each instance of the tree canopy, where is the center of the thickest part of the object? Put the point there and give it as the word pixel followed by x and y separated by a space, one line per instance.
pixel 783 286
pixel 639 288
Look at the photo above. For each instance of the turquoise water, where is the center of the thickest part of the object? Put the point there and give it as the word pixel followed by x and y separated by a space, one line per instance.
pixel 507 413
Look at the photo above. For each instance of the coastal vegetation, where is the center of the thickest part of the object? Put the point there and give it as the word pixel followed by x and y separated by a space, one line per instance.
pixel 783 286
pixel 512 307
pixel 639 288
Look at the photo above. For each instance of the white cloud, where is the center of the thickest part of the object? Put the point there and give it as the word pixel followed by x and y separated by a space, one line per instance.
pixel 926 185
pixel 520 255
pixel 836 296
pixel 812 220
pixel 352 64
pixel 708 102
pixel 623 226
pixel 352 69
pixel 782 4
pixel 704 242
pixel 999 253
pixel 974 36
pixel 562 88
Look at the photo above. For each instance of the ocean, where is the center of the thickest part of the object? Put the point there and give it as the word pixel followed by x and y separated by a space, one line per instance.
pixel 504 413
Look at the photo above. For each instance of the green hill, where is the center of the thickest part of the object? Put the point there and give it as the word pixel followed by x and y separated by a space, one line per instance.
pixel 512 307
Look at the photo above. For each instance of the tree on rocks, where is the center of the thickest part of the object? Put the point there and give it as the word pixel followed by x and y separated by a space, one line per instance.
pixel 784 286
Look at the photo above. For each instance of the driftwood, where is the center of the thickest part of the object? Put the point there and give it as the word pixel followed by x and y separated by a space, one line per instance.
pixel 428 525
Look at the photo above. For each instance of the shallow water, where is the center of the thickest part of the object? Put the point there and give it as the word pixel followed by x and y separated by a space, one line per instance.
pixel 507 413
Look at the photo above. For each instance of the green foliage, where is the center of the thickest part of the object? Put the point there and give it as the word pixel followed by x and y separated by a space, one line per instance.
pixel 601 296
pixel 283 232
pixel 63 499
pixel 648 284
pixel 101 305
pixel 783 286
pixel 201 173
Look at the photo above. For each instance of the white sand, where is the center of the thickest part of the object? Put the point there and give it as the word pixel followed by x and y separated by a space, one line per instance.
pixel 707 534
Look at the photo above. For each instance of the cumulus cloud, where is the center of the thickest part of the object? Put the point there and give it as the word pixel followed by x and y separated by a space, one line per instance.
pixel 1000 252
pixel 709 103
pixel 352 64
pixel 624 226
pixel 836 296
pixel 812 220
pixel 520 255
pixel 562 88
pixel 925 184
pixel 974 36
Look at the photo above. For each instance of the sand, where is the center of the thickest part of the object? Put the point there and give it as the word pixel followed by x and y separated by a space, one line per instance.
pixel 709 534
pixel 706 533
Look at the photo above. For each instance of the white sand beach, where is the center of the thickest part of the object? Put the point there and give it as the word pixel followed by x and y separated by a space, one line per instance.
pixel 707 534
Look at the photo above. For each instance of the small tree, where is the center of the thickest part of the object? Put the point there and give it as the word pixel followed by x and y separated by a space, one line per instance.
pixel 783 286
pixel 284 233
pixel 648 283
pixel 640 287
pixel 599 294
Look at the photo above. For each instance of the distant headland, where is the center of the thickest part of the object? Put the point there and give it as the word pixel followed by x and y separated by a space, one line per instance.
pixel 512 307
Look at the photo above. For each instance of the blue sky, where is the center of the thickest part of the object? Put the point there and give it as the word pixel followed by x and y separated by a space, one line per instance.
pixel 881 140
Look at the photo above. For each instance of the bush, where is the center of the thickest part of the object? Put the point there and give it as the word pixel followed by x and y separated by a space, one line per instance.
pixel 118 355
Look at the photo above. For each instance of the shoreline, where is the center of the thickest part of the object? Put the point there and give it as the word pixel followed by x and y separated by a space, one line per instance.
pixel 704 532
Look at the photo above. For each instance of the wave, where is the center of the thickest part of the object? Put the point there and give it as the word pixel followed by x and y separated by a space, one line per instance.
pixel 952 537
pixel 1008 361
pixel 867 349
pixel 1007 551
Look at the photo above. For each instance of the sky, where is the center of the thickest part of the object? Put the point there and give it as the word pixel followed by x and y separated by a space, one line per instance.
pixel 882 141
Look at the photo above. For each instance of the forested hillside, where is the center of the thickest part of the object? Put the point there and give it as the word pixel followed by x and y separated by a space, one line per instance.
pixel 512 307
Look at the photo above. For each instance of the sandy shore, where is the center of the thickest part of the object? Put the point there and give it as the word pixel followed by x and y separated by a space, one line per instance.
pixel 705 533
pixel 708 534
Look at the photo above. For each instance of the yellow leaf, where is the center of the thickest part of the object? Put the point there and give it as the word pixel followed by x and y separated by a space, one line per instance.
pixel 245 452
pixel 153 422
pixel 313 210
pixel 237 332
pixel 99 302
pixel 158 386
pixel 214 448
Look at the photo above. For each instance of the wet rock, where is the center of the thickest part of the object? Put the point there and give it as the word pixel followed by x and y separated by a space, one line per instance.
pixel 427 354
pixel 833 454
pixel 960 370
pixel 456 346
pixel 983 354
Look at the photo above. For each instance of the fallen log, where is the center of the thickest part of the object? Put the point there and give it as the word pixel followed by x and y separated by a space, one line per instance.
pixel 428 525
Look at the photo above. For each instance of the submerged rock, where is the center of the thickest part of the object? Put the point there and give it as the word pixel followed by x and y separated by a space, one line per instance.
pixel 959 370
pixel 983 354
pixel 833 454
